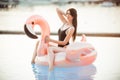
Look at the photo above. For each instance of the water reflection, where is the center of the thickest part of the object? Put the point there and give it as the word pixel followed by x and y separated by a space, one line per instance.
pixel 71 73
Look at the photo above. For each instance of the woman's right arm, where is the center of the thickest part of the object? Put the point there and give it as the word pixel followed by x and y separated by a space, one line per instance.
pixel 61 15
pixel 69 35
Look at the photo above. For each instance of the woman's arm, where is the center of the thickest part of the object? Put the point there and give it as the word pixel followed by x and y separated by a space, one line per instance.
pixel 61 15
pixel 67 38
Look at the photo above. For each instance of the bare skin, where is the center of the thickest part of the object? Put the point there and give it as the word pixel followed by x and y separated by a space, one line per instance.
pixel 53 50
pixel 66 19
pixel 51 55
pixel 34 53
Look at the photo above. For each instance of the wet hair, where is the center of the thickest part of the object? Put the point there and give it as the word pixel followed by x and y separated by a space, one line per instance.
pixel 73 13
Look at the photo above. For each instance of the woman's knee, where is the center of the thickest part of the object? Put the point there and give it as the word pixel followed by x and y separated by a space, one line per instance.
pixel 50 49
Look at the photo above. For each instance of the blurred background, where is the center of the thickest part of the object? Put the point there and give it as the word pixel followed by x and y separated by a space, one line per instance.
pixel 94 16
pixel 99 20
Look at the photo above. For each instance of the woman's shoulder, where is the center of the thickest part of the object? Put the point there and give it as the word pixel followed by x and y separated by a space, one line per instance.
pixel 71 28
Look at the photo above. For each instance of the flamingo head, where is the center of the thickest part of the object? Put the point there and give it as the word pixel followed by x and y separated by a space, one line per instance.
pixel 28 28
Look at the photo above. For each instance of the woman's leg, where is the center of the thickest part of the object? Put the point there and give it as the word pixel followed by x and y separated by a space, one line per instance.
pixel 50 58
pixel 51 55
pixel 34 53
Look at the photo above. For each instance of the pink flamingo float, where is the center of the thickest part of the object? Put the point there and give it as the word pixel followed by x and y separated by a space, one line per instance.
pixel 86 52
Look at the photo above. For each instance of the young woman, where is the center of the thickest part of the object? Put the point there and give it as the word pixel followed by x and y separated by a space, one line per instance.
pixel 65 33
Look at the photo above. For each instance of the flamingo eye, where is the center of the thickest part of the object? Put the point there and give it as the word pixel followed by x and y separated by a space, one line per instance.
pixel 32 23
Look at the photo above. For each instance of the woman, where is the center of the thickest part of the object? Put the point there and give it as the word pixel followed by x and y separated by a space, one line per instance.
pixel 65 33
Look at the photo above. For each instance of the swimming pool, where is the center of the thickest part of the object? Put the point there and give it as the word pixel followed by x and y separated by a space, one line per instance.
pixel 69 73
pixel 16 53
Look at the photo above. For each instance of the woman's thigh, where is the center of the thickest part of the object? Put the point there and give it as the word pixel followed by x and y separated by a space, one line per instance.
pixel 57 49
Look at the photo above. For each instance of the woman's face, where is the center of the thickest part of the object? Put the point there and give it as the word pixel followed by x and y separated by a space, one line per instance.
pixel 68 15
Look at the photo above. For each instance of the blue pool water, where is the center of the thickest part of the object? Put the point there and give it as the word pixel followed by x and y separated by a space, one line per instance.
pixel 69 73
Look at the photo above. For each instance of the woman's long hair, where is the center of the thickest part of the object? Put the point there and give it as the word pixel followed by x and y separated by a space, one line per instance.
pixel 73 13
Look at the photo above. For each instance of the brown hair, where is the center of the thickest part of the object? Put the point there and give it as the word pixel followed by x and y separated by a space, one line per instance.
pixel 73 13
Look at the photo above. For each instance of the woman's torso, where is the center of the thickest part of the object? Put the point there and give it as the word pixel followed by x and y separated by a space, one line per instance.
pixel 62 33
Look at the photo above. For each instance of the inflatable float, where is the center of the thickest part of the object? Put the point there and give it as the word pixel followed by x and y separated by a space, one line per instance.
pixel 77 53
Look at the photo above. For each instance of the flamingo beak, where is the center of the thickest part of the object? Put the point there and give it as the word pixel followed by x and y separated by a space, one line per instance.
pixel 30 32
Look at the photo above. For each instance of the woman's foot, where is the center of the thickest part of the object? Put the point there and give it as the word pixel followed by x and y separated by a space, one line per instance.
pixel 83 38
pixel 51 67
pixel 33 59
pixel 32 62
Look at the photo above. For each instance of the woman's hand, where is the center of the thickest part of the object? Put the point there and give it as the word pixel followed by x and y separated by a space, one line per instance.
pixel 47 39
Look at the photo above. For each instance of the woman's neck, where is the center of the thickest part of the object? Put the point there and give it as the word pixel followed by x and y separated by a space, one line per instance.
pixel 70 22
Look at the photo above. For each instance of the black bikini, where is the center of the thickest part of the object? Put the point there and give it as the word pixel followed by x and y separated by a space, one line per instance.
pixel 62 35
